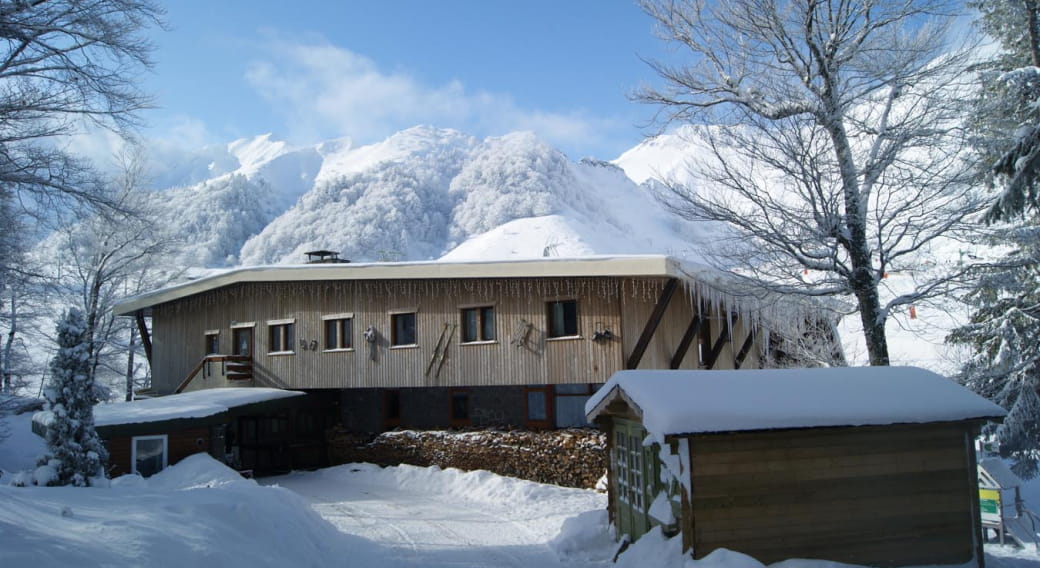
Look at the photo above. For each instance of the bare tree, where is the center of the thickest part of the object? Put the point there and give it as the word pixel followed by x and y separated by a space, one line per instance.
pixel 111 255
pixel 64 64
pixel 835 152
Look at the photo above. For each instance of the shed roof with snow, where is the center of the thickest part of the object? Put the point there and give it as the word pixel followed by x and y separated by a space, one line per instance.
pixel 691 402
pixel 197 407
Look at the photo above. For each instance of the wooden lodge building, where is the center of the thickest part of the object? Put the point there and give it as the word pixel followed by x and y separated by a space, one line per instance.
pixel 440 344
pixel 861 465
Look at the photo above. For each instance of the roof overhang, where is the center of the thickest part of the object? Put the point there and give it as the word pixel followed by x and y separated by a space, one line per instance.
pixel 621 266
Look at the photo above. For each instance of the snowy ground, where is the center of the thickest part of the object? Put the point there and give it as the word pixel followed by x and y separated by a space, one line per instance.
pixel 200 513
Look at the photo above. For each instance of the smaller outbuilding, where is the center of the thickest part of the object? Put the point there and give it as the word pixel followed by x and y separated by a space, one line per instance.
pixel 261 429
pixel 864 465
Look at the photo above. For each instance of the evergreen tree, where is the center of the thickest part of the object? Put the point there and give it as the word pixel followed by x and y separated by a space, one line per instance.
pixel 1008 119
pixel 75 451
pixel 1004 332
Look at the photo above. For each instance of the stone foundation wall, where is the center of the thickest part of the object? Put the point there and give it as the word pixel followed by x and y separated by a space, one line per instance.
pixel 572 458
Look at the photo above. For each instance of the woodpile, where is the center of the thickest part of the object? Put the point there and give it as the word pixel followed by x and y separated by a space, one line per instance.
pixel 574 457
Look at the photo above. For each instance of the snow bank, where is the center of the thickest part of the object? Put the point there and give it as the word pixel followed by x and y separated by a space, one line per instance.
pixel 192 514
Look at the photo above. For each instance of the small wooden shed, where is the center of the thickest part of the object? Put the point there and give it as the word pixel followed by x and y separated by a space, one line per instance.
pixel 248 428
pixel 866 465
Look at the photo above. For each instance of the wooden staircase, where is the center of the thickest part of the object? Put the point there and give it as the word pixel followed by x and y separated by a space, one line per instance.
pixel 229 367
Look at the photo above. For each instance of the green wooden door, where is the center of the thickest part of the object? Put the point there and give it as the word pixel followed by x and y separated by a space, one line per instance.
pixel 635 478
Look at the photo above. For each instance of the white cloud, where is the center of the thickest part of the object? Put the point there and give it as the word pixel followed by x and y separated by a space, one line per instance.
pixel 327 91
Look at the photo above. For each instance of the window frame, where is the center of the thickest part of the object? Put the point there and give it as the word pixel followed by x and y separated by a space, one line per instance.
pixel 286 334
pixel 165 451
pixel 550 332
pixel 481 312
pixel 341 323
pixel 548 410
pixel 395 341
pixel 211 347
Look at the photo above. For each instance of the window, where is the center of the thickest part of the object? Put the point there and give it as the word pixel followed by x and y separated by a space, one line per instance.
pixel 402 329
pixel 459 407
pixel 339 333
pixel 212 342
pixel 148 454
pixel 478 324
pixel 537 400
pixel 281 336
pixel 563 318
pixel 570 404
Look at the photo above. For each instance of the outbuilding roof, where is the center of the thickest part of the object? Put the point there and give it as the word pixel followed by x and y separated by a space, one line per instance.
pixel 691 402
pixel 193 405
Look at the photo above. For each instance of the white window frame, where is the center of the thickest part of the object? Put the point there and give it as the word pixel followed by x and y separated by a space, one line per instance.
pixel 288 343
pixel 165 450
pixel 342 316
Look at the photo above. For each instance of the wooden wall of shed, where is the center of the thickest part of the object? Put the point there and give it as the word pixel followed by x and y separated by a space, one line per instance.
pixel 876 496
pixel 180 445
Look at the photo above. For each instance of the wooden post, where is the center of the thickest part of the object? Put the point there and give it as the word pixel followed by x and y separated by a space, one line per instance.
pixel 652 323
pixel 146 340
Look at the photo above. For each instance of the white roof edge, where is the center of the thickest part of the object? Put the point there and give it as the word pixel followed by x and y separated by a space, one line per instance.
pixel 619 265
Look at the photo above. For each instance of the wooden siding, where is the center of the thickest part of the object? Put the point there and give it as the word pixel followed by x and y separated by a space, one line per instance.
pixel 621 305
pixel 876 496
pixel 180 445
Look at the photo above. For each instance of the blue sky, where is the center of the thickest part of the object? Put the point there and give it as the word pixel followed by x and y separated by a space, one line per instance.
pixel 309 70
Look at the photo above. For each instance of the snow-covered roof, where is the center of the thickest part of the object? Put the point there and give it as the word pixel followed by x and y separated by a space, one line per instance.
pixel 195 404
pixel 690 402
pixel 624 265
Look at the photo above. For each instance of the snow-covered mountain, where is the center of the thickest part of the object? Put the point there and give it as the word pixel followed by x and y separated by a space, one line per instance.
pixel 422 193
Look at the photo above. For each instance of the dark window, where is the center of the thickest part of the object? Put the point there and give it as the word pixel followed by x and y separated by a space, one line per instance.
pixel 281 337
pixel 459 407
pixel 212 343
pixel 339 333
pixel 242 341
pixel 563 318
pixel 402 329
pixel 392 407
pixel 149 454
pixel 478 324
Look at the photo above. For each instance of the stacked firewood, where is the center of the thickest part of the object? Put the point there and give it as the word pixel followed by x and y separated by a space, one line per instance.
pixel 571 458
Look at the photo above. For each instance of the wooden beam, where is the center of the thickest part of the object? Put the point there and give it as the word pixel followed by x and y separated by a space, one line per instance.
pixel 146 340
pixel 724 337
pixel 684 346
pixel 744 350
pixel 652 323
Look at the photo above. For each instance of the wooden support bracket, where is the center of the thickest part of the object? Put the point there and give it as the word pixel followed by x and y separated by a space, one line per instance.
pixel 744 350
pixel 687 339
pixel 716 349
pixel 652 323
pixel 146 340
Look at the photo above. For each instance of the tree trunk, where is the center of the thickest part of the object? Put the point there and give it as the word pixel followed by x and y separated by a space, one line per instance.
pixel 1034 31
pixel 5 361
pixel 862 281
